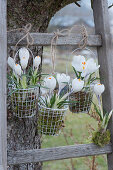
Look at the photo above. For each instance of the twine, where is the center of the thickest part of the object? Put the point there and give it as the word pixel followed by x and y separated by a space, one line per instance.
pixel 63 33
pixel 54 40
pixel 82 29
pixel 85 38
pixel 57 34
pixel 27 35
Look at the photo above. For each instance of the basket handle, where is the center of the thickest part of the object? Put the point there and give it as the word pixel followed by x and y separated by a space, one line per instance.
pixel 84 49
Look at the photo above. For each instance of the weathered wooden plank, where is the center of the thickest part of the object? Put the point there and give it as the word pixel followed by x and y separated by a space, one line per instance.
pixel 3 68
pixel 45 39
pixel 62 152
pixel 1 167
pixel 105 53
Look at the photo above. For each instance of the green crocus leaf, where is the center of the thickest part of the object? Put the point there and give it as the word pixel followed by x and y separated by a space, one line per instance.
pixel 23 82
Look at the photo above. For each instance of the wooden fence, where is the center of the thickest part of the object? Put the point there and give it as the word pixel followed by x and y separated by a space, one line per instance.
pixel 102 40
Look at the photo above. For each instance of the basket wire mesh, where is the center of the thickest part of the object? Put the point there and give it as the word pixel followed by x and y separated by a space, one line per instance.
pixel 50 121
pixel 84 97
pixel 24 102
pixel 83 101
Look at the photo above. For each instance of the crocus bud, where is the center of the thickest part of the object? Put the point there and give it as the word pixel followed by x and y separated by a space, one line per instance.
pixel 63 80
pixel 17 69
pixel 77 85
pixel 37 61
pixel 23 52
pixel 11 62
pixel 50 82
pixel 24 63
pixel 99 89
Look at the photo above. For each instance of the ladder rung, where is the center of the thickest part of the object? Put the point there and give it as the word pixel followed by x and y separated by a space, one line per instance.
pixel 56 153
pixel 44 39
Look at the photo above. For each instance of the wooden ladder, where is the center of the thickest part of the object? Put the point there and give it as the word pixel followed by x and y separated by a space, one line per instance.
pixel 102 40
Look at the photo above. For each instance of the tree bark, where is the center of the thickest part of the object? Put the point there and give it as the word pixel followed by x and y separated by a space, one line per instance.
pixel 36 12
pixel 22 133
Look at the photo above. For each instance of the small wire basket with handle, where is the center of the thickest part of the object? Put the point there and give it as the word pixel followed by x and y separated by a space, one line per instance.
pixel 50 121
pixel 83 98
pixel 23 100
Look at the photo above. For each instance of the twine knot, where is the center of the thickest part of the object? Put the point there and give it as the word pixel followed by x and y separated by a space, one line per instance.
pixel 85 37
pixel 27 35
pixel 66 32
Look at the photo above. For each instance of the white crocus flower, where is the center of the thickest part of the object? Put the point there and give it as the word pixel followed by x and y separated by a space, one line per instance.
pixel 24 62
pixel 17 69
pixel 11 62
pixel 79 63
pixel 99 89
pixel 91 66
pixel 37 61
pixel 63 80
pixel 77 85
pixel 23 52
pixel 50 82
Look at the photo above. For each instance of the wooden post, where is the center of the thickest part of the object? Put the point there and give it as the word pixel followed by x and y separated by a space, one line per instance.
pixel 3 68
pixel 105 55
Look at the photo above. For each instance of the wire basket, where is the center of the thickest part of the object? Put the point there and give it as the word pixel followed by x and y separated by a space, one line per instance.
pixel 24 102
pixel 50 121
pixel 83 101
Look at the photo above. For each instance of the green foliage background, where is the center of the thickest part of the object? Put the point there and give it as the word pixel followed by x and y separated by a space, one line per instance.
pixel 79 124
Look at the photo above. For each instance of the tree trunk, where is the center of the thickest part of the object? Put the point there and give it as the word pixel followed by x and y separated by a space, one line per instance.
pixel 22 133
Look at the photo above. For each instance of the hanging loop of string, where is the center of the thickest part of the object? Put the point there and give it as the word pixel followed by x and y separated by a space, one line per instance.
pixel 63 33
pixel 57 34
pixel 54 40
pixel 85 38
pixel 27 35
pixel 82 30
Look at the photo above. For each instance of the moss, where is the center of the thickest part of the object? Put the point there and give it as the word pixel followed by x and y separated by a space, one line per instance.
pixel 101 137
pixel 83 100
